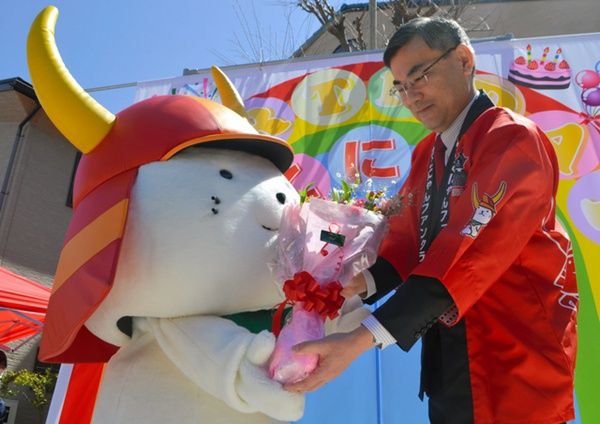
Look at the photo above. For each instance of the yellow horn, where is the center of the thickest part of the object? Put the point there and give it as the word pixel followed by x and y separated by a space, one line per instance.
pixel 475 196
pixel 500 193
pixel 229 95
pixel 81 119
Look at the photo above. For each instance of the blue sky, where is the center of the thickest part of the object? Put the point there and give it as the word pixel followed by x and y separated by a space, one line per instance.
pixel 121 41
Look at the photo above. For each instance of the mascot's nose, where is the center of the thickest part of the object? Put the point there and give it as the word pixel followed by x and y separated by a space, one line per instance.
pixel 281 198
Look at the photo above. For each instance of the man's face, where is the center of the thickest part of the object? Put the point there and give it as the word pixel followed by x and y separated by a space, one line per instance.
pixel 448 89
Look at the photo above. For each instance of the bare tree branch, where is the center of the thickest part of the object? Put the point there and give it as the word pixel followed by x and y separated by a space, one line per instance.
pixel 332 21
pixel 406 10
pixel 360 36
pixel 256 43
pixel 402 11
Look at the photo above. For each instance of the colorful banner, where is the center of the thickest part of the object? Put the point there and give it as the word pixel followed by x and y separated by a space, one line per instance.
pixel 342 117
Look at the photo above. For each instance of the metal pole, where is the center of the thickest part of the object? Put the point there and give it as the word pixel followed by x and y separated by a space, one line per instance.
pixel 372 24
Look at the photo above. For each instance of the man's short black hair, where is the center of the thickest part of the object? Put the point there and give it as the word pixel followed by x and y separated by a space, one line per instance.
pixel 438 33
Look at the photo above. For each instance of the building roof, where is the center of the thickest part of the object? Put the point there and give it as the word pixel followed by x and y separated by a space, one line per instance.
pixel 18 84
pixel 17 99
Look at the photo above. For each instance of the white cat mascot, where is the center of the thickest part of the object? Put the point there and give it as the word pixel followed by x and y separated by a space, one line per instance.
pixel 177 202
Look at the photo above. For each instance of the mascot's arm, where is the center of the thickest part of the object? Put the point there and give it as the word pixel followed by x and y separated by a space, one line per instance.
pixel 228 362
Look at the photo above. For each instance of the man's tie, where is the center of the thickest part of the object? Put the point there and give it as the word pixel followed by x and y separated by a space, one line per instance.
pixel 439 160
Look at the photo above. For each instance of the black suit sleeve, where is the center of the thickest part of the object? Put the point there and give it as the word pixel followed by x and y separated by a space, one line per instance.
pixel 386 279
pixel 413 309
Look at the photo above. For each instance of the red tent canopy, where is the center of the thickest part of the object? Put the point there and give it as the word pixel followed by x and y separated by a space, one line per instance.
pixel 23 306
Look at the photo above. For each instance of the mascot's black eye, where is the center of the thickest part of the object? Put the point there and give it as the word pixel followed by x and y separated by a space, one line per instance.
pixel 226 174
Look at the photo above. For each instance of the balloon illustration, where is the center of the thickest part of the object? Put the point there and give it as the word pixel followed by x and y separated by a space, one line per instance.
pixel 589 81
pixel 588 78
pixel 591 97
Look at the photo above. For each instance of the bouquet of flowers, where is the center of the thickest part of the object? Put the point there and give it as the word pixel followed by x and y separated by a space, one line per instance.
pixel 322 244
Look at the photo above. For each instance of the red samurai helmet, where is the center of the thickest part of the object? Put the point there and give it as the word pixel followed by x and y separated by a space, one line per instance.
pixel 114 147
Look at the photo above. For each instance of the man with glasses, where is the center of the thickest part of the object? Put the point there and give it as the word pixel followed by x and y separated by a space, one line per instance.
pixel 481 269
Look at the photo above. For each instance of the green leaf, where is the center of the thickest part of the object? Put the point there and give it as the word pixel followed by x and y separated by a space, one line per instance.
pixel 35 386
pixel 335 195
pixel 304 193
pixel 348 192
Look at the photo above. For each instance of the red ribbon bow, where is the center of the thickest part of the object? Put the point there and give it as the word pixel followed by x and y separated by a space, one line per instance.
pixel 325 300
pixel 590 119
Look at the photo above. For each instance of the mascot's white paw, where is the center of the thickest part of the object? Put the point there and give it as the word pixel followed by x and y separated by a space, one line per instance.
pixel 258 389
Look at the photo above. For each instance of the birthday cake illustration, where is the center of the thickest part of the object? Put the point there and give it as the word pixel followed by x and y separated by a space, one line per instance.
pixel 542 73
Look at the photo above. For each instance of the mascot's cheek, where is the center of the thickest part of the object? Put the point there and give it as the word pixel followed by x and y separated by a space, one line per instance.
pixel 232 266
pixel 250 251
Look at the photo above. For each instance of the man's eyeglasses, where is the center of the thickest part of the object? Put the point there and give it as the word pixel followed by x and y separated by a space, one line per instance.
pixel 402 88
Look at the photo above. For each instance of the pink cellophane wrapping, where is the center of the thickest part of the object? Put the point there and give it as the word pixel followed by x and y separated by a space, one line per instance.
pixel 300 249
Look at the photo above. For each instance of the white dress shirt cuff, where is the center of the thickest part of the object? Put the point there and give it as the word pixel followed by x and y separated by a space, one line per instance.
pixel 371 288
pixel 381 336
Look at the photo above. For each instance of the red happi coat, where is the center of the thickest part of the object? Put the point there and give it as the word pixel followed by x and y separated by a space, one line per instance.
pixel 511 278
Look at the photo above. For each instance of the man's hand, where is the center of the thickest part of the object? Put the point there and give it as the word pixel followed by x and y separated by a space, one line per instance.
pixel 356 286
pixel 336 352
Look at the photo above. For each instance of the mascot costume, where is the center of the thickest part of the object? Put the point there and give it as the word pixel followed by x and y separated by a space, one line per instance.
pixel 163 274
